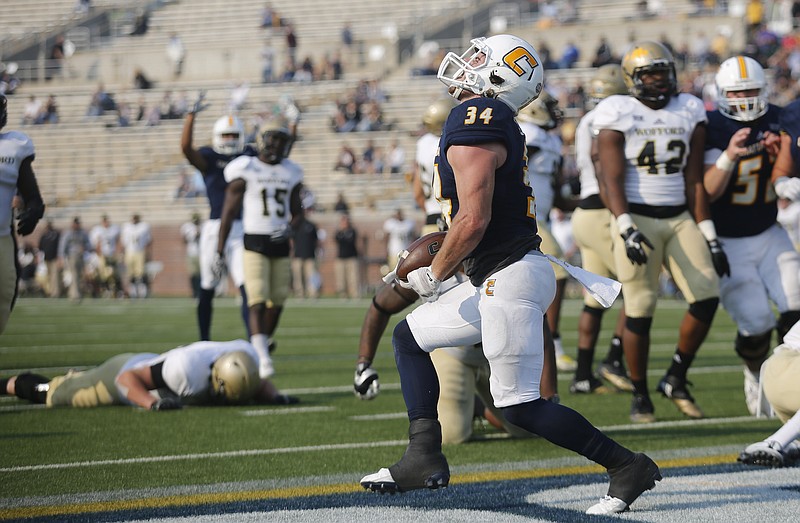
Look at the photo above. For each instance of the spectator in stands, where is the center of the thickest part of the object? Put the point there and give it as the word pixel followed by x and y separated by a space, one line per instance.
pixel 269 17
pixel 8 82
pixel 238 96
pixel 304 73
pixel 142 22
pixel 32 111
pixel 603 54
pixel 267 62
pixel 136 240
pixel 49 112
pixel 101 101
pixel 83 6
pixel 396 157
pixel 140 81
pixel 48 244
pixel 306 240
pixel 570 56
pixel 347 37
pixel 371 118
pixel 346 160
pixel 341 204
pixel 57 57
pixel 546 56
pixel 347 261
pixel 347 116
pixel 291 45
pixel 176 53
pixel 754 16
pixel 72 248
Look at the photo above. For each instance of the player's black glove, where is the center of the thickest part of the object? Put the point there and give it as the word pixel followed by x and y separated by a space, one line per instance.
pixel 365 382
pixel 199 104
pixel 29 218
pixel 635 241
pixel 719 258
pixel 168 403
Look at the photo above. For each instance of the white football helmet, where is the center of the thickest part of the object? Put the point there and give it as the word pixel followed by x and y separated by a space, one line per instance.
pixel 741 73
pixel 228 125
pixel 511 72
pixel 234 377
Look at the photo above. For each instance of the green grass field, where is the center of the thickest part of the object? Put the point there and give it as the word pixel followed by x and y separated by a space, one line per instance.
pixel 330 434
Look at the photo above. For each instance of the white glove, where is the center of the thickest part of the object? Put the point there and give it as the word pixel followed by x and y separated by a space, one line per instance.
pixel 788 188
pixel 365 382
pixel 282 234
pixel 424 283
pixel 217 268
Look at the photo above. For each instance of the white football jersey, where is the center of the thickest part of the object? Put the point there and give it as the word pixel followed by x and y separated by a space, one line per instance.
pixel 542 166
pixel 135 237
pixel 14 147
pixel 657 143
pixel 187 370
pixel 106 238
pixel 266 206
pixel 583 156
pixel 427 146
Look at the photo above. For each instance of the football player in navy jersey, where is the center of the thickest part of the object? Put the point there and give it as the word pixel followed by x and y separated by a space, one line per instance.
pixel 480 181
pixel 227 144
pixel 787 165
pixel 741 145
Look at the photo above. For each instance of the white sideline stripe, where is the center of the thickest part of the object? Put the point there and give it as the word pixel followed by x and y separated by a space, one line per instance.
pixel 343 446
pixel 288 410
pixel 184 457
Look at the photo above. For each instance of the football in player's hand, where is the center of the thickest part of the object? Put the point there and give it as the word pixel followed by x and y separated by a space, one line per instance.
pixel 419 254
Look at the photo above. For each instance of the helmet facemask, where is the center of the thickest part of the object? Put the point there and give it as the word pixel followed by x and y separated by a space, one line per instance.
pixel 502 66
pixel 739 74
pixel 660 92
pixel 228 136
pixel 274 145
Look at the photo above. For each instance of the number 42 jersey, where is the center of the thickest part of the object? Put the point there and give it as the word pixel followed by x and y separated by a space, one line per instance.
pixel 266 204
pixel 657 143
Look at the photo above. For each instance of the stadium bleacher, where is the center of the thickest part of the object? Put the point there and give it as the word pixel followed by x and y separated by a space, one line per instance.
pixel 90 166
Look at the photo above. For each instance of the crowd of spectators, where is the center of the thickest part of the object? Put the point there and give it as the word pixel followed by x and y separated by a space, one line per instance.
pixel 360 110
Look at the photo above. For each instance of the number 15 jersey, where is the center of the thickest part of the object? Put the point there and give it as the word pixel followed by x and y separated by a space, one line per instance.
pixel 266 205
pixel 657 143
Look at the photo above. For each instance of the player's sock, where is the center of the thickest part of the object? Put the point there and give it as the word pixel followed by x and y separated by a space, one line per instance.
pixel 204 313
pixel 419 382
pixel 566 428
pixel 584 370
pixel 680 364
pixel 245 311
pixel 614 350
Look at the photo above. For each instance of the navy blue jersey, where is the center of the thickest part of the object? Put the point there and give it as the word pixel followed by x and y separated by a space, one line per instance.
pixel 215 179
pixel 512 230
pixel 748 206
pixel 790 124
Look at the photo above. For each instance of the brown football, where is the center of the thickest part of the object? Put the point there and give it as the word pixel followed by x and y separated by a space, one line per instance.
pixel 419 254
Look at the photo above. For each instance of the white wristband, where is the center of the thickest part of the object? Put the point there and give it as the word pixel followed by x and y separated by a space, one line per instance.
pixel 709 231
pixel 724 163
pixel 624 222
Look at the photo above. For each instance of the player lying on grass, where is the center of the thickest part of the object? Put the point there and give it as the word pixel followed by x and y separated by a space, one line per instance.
pixel 203 373
pixel 780 384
